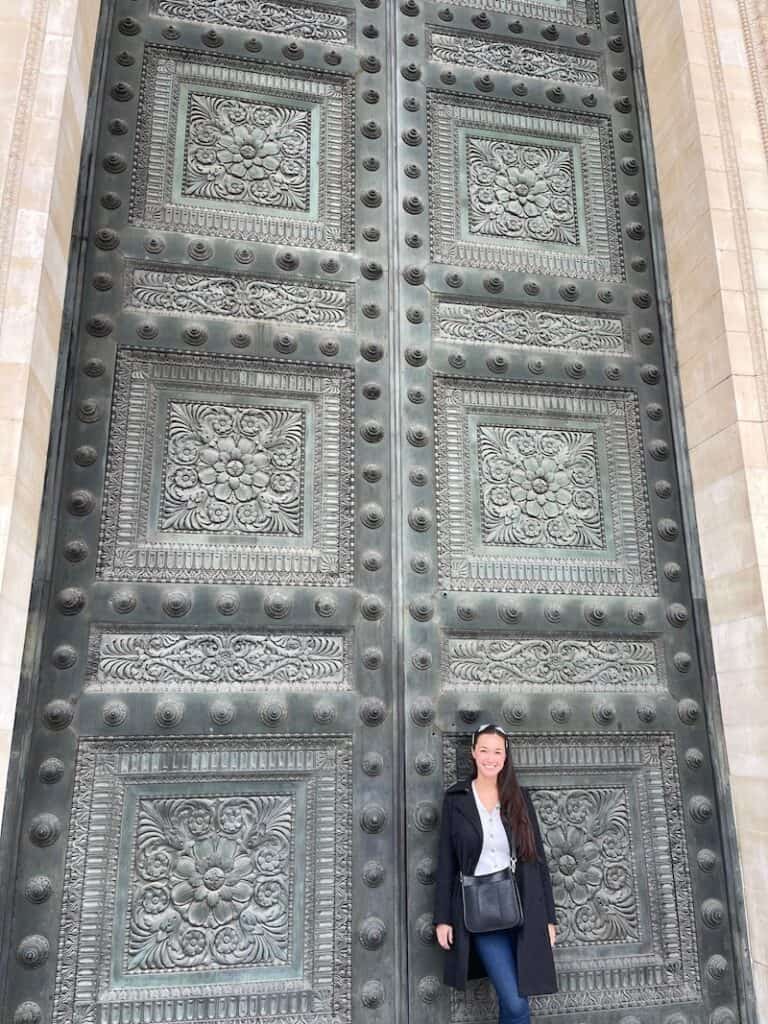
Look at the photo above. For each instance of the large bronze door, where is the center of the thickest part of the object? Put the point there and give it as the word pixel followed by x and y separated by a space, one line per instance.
pixel 365 439
pixel 545 577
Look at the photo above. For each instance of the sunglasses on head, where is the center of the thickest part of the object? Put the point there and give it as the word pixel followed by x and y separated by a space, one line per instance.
pixel 490 725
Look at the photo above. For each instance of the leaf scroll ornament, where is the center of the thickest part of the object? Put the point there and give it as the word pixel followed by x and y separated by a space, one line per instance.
pixel 211 883
pixel 262 16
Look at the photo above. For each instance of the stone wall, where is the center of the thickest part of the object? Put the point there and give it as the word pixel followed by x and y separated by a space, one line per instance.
pixel 707 72
pixel 706 66
pixel 46 51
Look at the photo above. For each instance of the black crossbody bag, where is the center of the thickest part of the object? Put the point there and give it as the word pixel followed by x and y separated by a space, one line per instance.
pixel 491 902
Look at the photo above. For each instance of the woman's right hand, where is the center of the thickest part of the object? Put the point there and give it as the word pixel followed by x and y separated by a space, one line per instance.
pixel 445 935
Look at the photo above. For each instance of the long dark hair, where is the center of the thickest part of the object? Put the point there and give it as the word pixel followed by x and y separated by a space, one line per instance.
pixel 513 805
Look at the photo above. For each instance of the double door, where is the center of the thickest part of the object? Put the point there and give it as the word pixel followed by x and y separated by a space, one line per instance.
pixel 365 441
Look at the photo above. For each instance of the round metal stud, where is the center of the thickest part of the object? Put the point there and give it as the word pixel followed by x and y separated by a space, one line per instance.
pixel 373 711
pixel 114 713
pixel 273 712
pixel 28 1013
pixel 373 818
pixel 560 712
pixel 425 816
pixel 169 713
pixel 58 714
pixel 277 606
pixel 38 889
pixel 44 830
pixel 372 933
pixel 64 656
pixel 323 712
pixel 222 712
pixel 33 951
pixel 706 860
pixel 51 770
pixel 372 658
pixel 373 873
pixel 176 603
pixel 373 764
pixel 227 603
pixel 688 711
pixel 372 994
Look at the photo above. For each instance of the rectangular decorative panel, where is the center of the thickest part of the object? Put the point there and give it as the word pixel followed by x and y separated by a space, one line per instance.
pixel 611 815
pixel 226 469
pixel 494 53
pixel 548 664
pixel 207 881
pixel 540 489
pixel 289 17
pixel 526 326
pixel 227 149
pixel 216 660
pixel 532 188
pixel 179 291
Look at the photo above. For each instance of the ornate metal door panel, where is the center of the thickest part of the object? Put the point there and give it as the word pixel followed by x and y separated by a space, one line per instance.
pixel 233 642
pixel 208 829
pixel 545 575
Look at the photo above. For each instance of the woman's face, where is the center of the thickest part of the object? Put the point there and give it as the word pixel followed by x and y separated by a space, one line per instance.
pixel 489 755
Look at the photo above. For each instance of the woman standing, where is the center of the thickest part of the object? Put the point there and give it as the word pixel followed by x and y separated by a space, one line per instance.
pixel 487 821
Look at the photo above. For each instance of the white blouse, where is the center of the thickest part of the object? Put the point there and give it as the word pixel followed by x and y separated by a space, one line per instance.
pixel 495 852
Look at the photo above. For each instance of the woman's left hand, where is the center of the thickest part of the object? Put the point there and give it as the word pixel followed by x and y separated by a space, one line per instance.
pixel 552 934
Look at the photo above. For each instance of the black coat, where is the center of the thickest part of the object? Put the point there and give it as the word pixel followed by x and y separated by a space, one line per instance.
pixel 461 842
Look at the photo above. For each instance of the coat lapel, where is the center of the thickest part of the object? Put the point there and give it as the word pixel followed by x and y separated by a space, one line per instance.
pixel 466 806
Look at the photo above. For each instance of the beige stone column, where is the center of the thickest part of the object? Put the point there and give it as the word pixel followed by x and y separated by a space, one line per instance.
pixel 706 64
pixel 46 49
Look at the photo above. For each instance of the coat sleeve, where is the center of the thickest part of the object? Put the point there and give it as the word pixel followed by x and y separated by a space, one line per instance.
pixel 447 868
pixel 541 857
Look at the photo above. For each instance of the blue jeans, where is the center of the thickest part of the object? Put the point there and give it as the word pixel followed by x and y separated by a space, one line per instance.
pixel 497 950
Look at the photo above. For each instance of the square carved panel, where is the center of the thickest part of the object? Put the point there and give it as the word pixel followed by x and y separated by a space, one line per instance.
pixel 612 822
pixel 540 489
pixel 535 190
pixel 226 149
pixel 228 469
pixel 208 881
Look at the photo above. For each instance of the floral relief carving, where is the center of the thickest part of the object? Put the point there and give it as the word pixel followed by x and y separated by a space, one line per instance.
pixel 482 323
pixel 163 290
pixel 235 148
pixel 205 661
pixel 521 192
pixel 550 663
pixel 211 883
pixel 589 846
pixel 533 61
pixel 246 151
pixel 230 469
pixel 539 487
pixel 307 22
